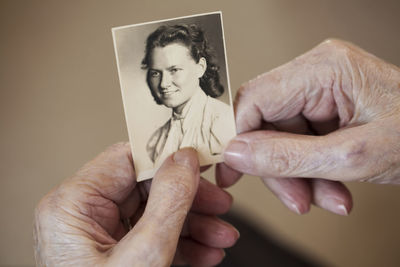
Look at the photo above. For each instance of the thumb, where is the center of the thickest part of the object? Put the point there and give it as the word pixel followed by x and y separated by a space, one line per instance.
pixel 155 237
pixel 359 153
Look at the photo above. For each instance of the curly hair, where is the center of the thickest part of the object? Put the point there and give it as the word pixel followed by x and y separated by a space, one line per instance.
pixel 194 39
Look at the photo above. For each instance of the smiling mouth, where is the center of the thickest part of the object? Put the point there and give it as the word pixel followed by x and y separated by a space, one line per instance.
pixel 168 92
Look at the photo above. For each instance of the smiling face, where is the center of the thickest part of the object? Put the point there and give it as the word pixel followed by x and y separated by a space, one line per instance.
pixel 173 75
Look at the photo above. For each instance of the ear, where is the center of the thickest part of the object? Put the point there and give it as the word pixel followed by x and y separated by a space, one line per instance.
pixel 202 67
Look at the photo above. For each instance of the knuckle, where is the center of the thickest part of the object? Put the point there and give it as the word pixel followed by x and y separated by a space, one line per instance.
pixel 336 48
pixel 40 209
pixel 333 44
pixel 246 106
pixel 282 160
pixel 44 207
pixel 240 97
pixel 280 163
pixel 117 147
pixel 112 167
pixel 353 153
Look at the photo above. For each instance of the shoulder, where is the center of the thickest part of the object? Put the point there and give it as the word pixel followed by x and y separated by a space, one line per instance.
pixel 222 118
pixel 217 108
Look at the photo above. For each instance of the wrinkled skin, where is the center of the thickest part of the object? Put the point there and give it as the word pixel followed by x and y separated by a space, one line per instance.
pixel 80 223
pixel 329 115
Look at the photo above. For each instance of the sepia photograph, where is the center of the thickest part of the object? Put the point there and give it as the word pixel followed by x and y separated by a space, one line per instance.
pixel 175 88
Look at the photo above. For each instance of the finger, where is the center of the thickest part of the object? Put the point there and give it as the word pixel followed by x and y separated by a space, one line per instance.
pixel 210 199
pixel 303 86
pixel 120 231
pixel 210 231
pixel 226 176
pixel 325 127
pixel 297 124
pixel 137 215
pixel 130 205
pixel 294 193
pixel 195 254
pixel 110 174
pixel 346 154
pixel 332 196
pixel 101 185
pixel 156 234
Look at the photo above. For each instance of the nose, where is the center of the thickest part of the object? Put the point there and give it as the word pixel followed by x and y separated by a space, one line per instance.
pixel 166 80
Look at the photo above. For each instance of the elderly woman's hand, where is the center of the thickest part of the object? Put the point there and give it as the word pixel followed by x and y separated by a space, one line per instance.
pixel 332 114
pixel 83 222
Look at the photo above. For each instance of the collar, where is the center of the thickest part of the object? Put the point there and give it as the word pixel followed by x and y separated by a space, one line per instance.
pixel 193 103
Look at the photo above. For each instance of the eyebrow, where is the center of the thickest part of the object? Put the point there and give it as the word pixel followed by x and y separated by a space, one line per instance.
pixel 155 70
pixel 169 68
pixel 173 67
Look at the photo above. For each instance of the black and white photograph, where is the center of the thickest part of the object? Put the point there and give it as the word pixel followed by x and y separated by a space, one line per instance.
pixel 175 87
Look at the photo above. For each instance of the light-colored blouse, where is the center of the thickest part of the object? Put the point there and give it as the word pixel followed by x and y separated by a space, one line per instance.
pixel 205 124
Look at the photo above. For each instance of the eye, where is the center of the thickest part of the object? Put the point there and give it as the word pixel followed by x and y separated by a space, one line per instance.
pixel 174 70
pixel 154 74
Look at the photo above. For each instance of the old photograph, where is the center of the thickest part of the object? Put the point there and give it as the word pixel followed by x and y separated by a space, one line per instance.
pixel 175 88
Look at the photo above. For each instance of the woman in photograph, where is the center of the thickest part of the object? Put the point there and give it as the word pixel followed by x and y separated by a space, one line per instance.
pixel 183 76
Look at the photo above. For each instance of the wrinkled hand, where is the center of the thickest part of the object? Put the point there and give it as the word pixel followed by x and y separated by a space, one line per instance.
pixel 81 222
pixel 331 114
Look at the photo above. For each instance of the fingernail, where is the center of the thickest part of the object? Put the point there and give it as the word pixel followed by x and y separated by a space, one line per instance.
pixel 226 224
pixel 187 157
pixel 335 206
pixel 237 232
pixel 238 156
pixel 342 210
pixel 223 253
pixel 293 206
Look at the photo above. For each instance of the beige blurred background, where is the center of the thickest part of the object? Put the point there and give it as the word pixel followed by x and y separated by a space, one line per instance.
pixel 61 105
